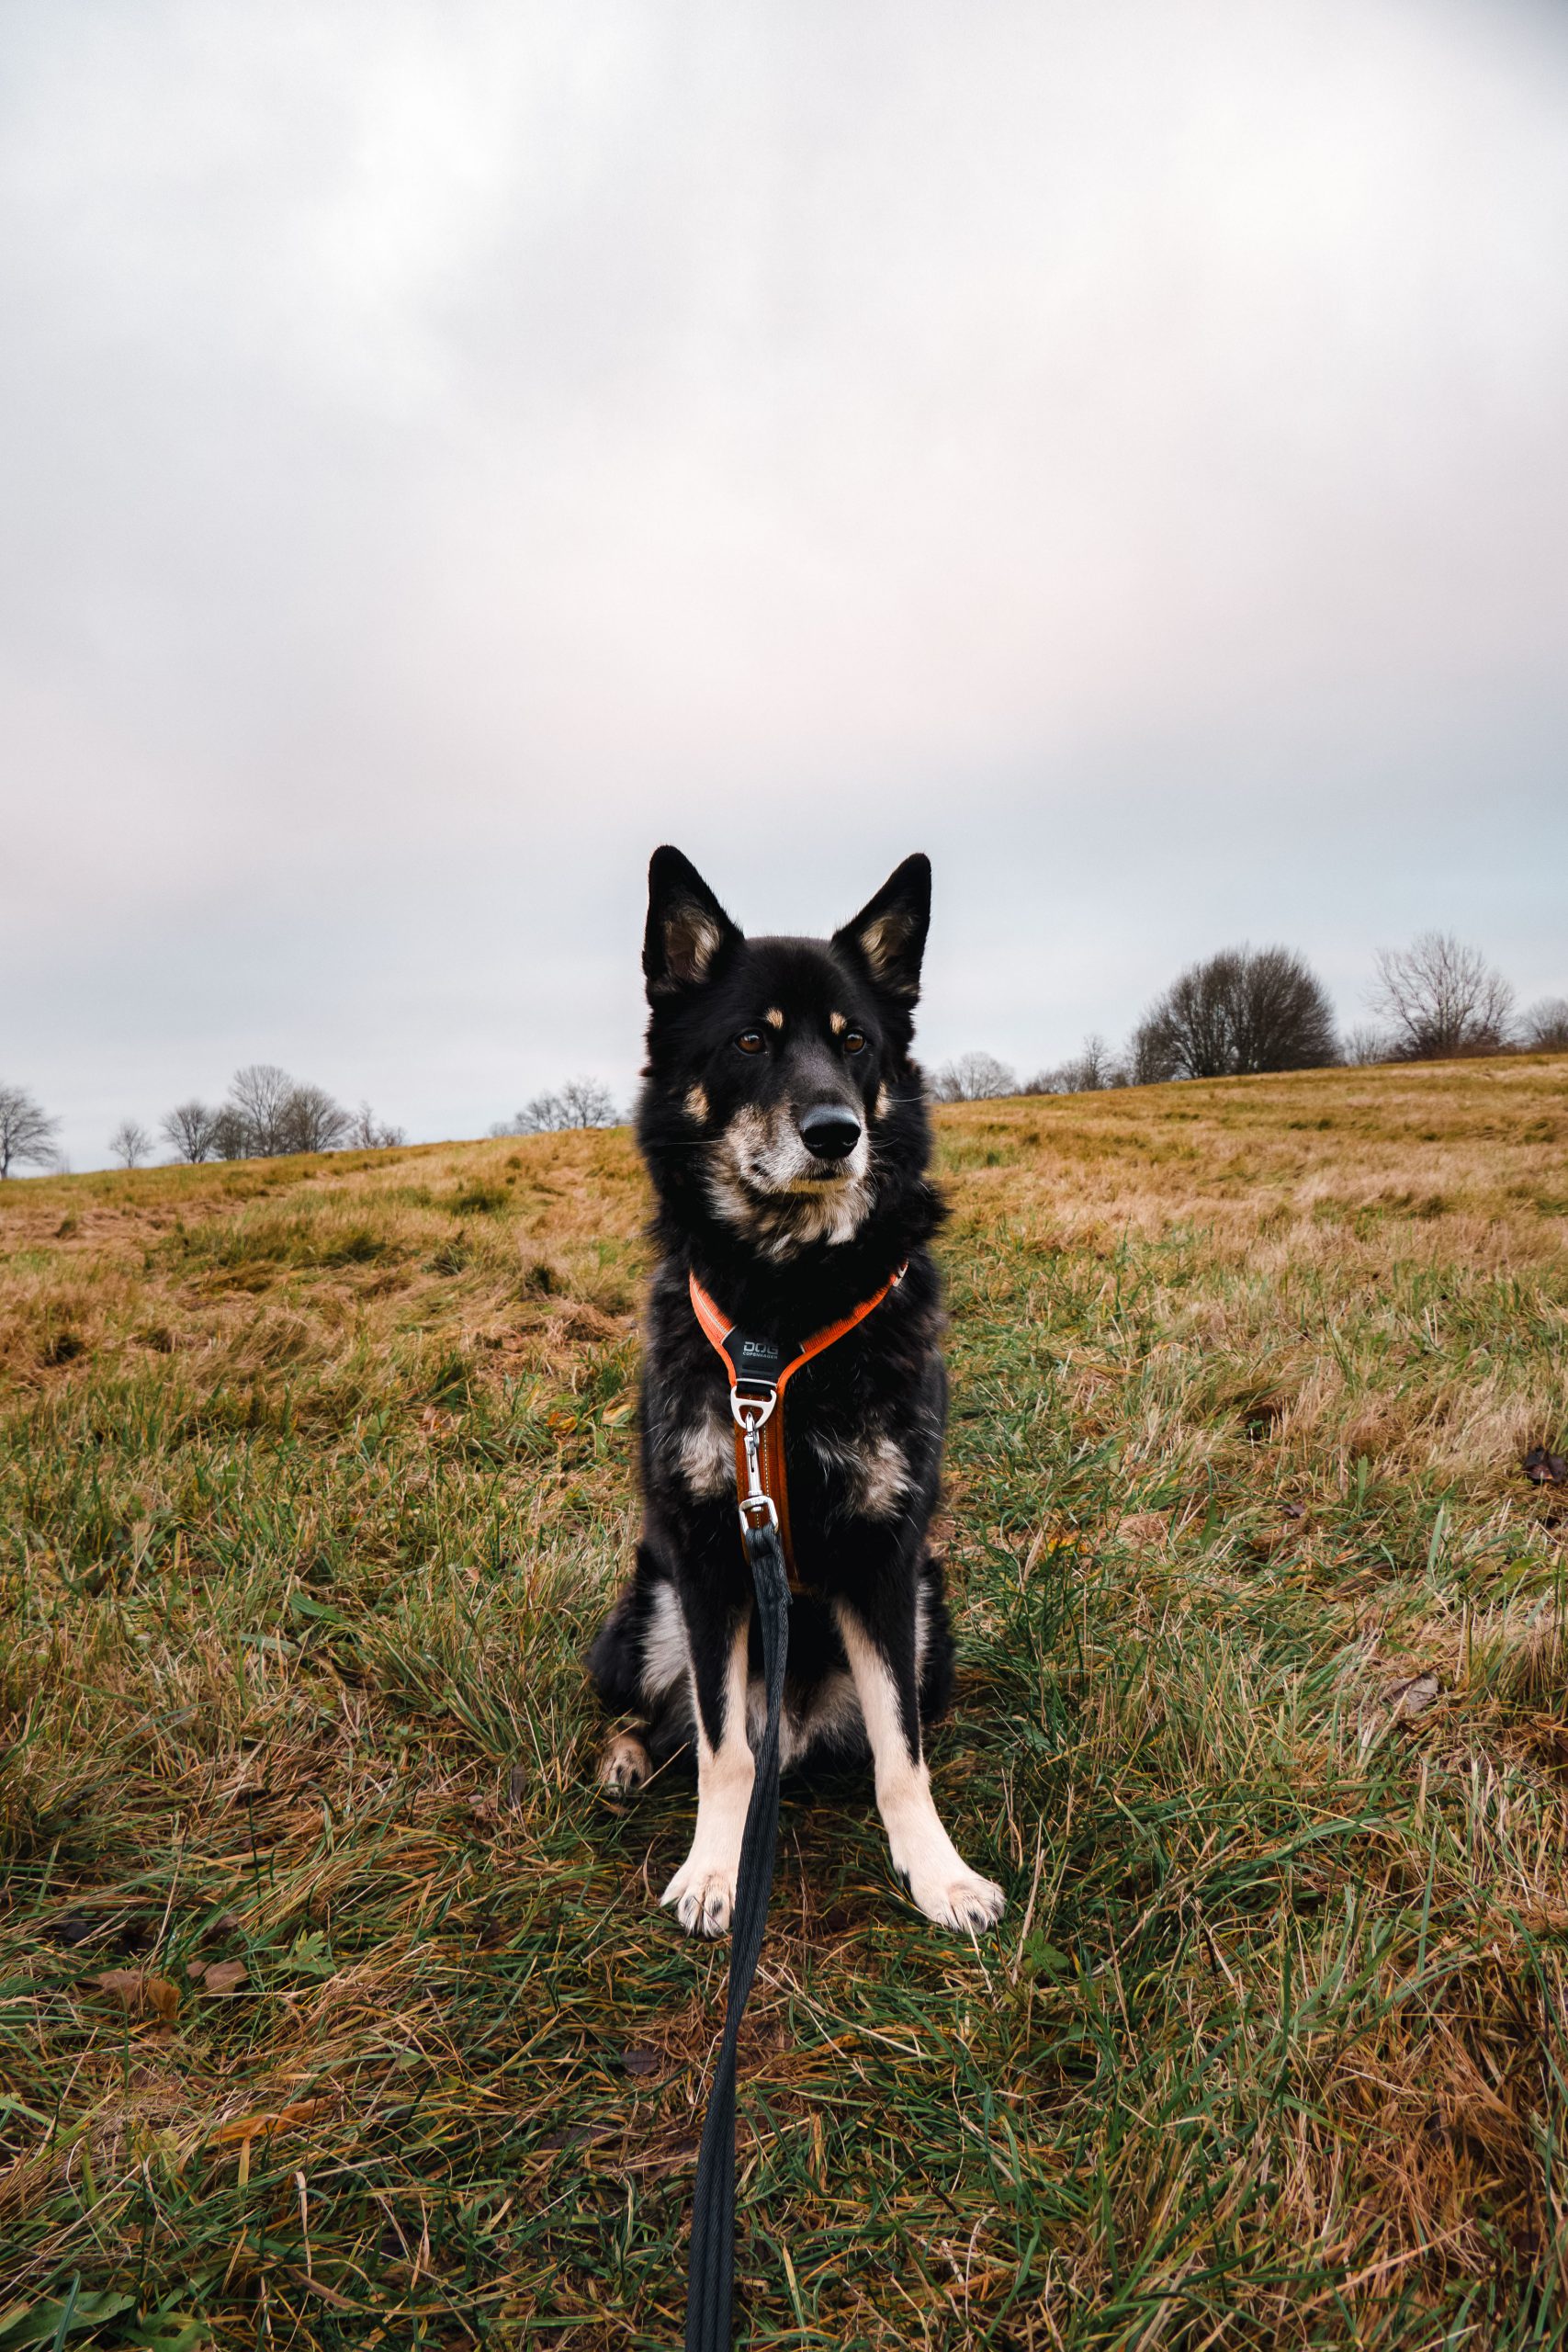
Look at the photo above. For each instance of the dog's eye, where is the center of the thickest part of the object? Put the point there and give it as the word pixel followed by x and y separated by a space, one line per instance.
pixel 750 1041
pixel 854 1041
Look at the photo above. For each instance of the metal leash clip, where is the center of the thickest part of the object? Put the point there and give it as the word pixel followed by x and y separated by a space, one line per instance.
pixel 758 1509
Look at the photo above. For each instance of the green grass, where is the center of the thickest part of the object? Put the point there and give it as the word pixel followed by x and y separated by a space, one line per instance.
pixel 314 1478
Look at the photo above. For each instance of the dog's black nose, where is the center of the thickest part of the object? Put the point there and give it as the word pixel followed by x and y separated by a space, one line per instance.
pixel 830 1130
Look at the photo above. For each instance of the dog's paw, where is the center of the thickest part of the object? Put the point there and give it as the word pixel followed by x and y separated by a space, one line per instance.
pixel 623 1766
pixel 703 1895
pixel 961 1899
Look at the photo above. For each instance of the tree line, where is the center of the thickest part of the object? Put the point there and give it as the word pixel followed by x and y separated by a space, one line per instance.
pixel 1250 1010
pixel 1241 1012
pixel 266 1114
pixel 1246 1011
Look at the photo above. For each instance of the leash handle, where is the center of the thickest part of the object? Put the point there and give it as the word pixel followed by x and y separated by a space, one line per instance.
pixel 711 2270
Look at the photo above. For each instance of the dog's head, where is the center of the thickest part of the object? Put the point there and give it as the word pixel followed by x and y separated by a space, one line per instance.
pixel 778 1069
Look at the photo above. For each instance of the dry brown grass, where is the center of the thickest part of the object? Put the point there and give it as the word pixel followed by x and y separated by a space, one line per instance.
pixel 315 1476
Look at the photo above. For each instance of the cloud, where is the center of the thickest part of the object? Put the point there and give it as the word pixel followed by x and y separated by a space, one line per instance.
pixel 454 447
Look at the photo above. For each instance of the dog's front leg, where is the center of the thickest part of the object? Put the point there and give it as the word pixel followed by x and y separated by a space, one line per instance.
pixel 703 1889
pixel 938 1879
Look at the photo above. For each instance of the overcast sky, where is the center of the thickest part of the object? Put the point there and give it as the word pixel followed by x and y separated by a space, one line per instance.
pixel 1117 447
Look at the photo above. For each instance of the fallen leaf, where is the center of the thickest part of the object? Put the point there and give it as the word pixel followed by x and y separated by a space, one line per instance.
pixel 1411 1697
pixel 139 1992
pixel 580 2135
pixel 282 2119
pixel 517 1786
pixel 222 1976
pixel 125 1982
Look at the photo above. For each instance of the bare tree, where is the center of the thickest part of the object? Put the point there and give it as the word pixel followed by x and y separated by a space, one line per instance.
pixel 587 1102
pixel 26 1130
pixel 542 1115
pixel 231 1135
pixel 1544 1029
pixel 130 1143
pixel 268 1113
pixel 311 1121
pixel 189 1131
pixel 1148 1055
pixel 366 1133
pixel 973 1078
pixel 259 1094
pixel 1243 1011
pixel 1441 997
pixel 581 1103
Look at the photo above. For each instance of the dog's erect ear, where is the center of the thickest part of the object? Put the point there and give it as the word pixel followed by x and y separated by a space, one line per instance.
pixel 889 935
pixel 688 932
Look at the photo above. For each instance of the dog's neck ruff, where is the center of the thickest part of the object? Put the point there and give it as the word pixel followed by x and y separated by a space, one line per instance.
pixel 760 1369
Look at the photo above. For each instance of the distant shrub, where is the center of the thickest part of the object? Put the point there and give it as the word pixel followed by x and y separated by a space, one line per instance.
pixel 1365 1046
pixel 367 1133
pixel 973 1078
pixel 1544 1029
pixel 1094 1069
pixel 581 1103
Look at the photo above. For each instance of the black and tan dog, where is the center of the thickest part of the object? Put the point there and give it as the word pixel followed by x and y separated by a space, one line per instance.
pixel 784 1128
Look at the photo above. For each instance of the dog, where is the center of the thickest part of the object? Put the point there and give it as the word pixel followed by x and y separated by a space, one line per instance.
pixel 783 1126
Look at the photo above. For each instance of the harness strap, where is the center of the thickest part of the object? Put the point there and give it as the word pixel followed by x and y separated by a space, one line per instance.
pixel 759 1371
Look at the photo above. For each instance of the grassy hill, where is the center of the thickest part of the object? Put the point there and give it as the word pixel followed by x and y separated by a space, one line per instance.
pixel 314 1475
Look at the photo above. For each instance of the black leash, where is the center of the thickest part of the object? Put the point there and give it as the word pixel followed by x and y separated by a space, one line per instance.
pixel 711 2274
pixel 760 1369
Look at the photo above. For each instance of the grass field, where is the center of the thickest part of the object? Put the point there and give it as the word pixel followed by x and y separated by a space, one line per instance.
pixel 315 1476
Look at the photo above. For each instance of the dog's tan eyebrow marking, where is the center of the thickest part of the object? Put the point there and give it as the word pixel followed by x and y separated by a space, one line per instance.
pixel 696 1104
pixel 837 1023
pixel 774 1017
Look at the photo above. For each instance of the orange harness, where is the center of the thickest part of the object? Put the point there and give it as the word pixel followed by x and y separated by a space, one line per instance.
pixel 760 1371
